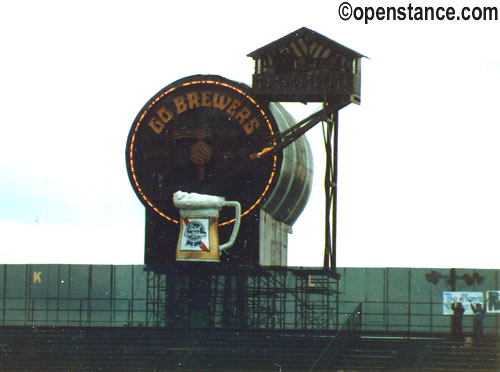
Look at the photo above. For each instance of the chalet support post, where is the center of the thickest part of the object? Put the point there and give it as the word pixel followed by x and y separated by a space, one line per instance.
pixel 330 135
pixel 335 120
pixel 327 136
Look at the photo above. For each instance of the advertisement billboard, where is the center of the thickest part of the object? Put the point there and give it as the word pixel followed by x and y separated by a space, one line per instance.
pixel 465 297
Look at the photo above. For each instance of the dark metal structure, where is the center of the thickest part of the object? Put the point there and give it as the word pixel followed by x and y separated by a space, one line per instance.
pixel 211 296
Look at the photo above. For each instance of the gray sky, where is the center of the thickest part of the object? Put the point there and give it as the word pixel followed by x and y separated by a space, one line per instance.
pixel 418 159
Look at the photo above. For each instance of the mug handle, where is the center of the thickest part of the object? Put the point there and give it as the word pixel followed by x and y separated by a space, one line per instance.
pixel 236 227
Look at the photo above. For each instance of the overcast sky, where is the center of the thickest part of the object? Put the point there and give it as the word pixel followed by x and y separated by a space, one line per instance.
pixel 418 177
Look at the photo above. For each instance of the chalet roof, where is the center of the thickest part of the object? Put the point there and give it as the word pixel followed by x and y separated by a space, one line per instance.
pixel 308 36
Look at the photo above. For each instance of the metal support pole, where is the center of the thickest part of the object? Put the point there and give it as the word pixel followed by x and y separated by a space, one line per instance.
pixel 453 280
pixel 335 119
pixel 330 136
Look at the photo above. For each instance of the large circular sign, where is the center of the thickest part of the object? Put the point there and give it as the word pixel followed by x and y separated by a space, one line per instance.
pixel 200 134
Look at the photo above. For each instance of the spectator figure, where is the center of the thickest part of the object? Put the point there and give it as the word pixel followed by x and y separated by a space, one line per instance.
pixel 457 319
pixel 284 61
pixel 477 324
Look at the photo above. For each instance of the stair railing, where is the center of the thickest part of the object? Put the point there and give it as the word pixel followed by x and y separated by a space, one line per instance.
pixel 350 330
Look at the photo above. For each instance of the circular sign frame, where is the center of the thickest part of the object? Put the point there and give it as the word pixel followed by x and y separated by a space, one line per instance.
pixel 200 134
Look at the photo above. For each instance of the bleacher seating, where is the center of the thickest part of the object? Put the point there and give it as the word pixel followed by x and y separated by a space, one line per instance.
pixel 154 349
pixel 392 352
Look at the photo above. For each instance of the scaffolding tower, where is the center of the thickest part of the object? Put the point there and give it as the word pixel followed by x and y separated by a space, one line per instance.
pixel 201 296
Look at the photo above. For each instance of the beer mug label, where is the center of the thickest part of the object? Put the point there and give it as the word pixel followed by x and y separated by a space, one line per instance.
pixel 195 236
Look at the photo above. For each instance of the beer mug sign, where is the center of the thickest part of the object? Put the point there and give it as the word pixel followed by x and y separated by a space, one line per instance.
pixel 199 234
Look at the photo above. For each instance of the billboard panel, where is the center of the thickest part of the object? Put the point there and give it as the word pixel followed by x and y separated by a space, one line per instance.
pixel 465 297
